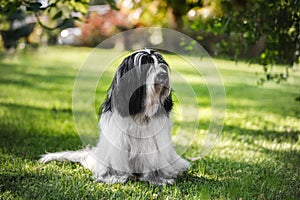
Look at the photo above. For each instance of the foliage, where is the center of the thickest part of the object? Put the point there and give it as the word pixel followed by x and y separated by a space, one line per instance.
pixel 18 19
pixel 98 27
pixel 52 16
pixel 249 21
pixel 257 157
pixel 146 13
pixel 61 12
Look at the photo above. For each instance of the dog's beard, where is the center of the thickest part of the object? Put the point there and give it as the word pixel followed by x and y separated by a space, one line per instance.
pixel 156 94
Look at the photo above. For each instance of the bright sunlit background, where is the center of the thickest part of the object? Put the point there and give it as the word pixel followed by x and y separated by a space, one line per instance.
pixel 254 45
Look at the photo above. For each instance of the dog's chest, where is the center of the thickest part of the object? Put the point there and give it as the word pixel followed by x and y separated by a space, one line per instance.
pixel 136 138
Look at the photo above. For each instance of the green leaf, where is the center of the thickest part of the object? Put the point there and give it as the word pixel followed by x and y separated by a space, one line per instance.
pixel 35 7
pixel 57 15
pixel 75 18
pixel 112 4
pixel 65 23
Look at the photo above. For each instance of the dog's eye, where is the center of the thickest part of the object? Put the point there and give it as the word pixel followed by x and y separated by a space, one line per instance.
pixel 164 67
pixel 159 58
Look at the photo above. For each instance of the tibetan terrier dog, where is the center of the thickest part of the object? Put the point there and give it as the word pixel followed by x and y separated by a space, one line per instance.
pixel 135 139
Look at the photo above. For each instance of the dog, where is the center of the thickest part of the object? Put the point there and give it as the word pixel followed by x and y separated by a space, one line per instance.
pixel 135 123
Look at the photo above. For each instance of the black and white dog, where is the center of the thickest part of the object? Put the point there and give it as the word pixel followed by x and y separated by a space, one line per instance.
pixel 135 140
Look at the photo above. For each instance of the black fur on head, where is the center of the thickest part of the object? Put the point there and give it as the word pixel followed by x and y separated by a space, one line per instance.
pixel 128 91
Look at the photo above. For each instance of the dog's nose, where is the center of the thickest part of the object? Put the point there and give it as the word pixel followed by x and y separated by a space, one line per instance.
pixel 162 76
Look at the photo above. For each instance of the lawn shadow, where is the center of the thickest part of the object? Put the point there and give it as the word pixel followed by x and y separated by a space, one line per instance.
pixel 33 130
pixel 250 135
pixel 46 182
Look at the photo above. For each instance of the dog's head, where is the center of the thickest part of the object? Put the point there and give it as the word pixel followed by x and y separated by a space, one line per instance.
pixel 141 86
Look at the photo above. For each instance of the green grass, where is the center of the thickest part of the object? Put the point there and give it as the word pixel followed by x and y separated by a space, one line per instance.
pixel 257 156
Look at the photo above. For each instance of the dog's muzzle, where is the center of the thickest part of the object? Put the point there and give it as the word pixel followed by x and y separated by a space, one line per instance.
pixel 162 78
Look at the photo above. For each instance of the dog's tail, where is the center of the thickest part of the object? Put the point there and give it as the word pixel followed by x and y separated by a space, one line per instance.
pixel 79 156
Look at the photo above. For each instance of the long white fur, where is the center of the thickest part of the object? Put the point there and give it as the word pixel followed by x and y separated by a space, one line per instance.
pixel 127 146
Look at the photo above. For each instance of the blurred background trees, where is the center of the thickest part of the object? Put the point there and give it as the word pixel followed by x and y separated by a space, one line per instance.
pixel 263 32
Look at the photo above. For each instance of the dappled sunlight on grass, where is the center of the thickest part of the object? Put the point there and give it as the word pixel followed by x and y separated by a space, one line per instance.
pixel 256 157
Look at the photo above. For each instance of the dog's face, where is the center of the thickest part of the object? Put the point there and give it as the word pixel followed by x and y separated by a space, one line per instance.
pixel 141 86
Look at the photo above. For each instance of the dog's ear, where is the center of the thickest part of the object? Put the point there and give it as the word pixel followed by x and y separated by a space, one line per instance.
pixel 108 103
pixel 128 91
pixel 168 103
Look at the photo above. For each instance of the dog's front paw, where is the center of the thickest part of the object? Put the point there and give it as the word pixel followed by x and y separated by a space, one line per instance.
pixel 112 179
pixel 163 181
pixel 155 179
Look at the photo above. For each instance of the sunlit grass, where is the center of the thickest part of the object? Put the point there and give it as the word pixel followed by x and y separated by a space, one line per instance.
pixel 256 157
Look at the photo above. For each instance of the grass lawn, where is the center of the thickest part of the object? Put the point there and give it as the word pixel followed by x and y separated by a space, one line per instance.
pixel 257 156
